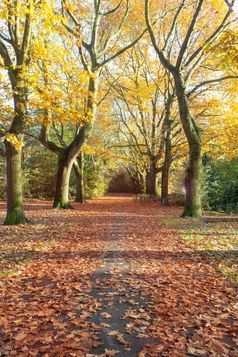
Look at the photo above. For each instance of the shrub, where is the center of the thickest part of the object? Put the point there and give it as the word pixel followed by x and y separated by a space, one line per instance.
pixel 221 185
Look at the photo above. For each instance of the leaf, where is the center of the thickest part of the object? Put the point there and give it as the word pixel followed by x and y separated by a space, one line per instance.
pixel 20 336
pixel 106 315
pixel 197 351
pixel 113 333
pixel 109 353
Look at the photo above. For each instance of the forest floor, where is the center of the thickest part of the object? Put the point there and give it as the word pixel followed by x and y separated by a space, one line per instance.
pixel 117 277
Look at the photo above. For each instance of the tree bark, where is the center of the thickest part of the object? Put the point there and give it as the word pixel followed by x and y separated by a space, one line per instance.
pixel 61 198
pixel 20 49
pixel 165 171
pixel 15 211
pixel 151 180
pixel 141 183
pixel 193 178
pixel 167 158
pixel 79 174
pixel 192 185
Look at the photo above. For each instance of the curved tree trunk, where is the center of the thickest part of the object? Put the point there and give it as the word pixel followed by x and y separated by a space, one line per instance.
pixel 79 174
pixel 68 155
pixel 193 178
pixel 15 211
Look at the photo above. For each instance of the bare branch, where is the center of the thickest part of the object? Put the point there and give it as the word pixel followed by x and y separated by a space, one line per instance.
pixel 166 63
pixel 109 12
pixel 189 33
pixel 120 52
pixel 215 81
pixel 174 23
pixel 212 37
pixel 5 55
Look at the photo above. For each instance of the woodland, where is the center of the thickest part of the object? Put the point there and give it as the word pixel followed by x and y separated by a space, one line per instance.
pixel 118 178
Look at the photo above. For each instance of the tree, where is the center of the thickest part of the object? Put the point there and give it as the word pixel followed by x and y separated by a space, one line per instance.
pixel 137 98
pixel 16 30
pixel 182 51
pixel 62 97
pixel 143 98
pixel 97 48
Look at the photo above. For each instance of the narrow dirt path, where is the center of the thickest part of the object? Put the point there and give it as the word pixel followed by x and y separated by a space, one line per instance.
pixel 110 278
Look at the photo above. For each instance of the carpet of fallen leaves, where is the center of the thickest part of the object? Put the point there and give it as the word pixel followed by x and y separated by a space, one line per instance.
pixel 48 274
pixel 216 235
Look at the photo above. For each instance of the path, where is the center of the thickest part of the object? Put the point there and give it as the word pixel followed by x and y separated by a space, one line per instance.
pixel 110 278
pixel 120 303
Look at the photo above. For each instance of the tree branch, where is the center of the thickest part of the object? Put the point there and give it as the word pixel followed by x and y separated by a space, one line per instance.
pixel 189 33
pixel 120 52
pixel 166 63
pixel 204 83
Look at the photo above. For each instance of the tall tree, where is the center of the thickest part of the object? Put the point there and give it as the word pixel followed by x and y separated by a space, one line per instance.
pixel 137 98
pixel 16 20
pixel 143 97
pixel 182 50
pixel 98 42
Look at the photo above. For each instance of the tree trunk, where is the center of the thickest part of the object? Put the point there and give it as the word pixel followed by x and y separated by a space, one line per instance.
pixel 141 184
pixel 167 163
pixel 151 180
pixel 15 211
pixel 192 185
pixel 193 178
pixel 79 174
pixel 165 176
pixel 61 198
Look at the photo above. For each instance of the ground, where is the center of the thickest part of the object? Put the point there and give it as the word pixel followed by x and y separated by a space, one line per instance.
pixel 117 277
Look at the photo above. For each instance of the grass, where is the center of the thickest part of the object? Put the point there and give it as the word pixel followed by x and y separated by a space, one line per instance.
pixel 219 240
pixel 7 272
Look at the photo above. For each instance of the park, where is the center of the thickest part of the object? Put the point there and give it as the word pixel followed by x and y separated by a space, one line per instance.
pixel 118 178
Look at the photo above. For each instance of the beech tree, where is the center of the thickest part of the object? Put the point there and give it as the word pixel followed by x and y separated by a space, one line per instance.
pixel 98 43
pixel 16 35
pixel 137 104
pixel 144 96
pixel 62 97
pixel 182 50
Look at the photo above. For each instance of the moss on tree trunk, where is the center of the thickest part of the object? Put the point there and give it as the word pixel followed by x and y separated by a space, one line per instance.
pixel 192 206
pixel 193 186
pixel 15 211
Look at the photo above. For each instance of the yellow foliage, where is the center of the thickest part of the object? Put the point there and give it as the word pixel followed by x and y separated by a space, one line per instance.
pixel 12 139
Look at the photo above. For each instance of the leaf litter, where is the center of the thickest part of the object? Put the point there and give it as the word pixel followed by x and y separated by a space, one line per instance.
pixel 187 307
